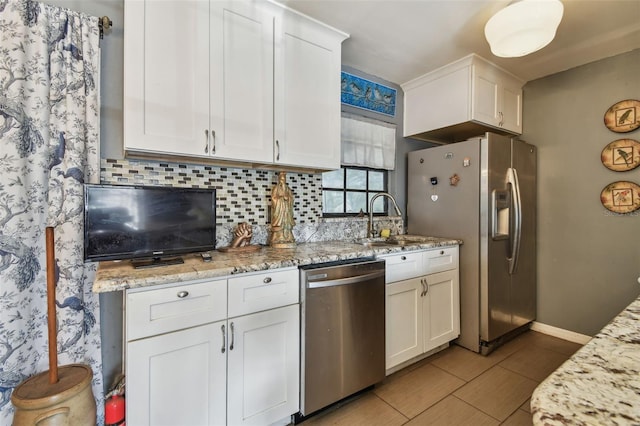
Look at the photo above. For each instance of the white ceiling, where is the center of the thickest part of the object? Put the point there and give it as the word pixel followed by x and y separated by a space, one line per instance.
pixel 398 40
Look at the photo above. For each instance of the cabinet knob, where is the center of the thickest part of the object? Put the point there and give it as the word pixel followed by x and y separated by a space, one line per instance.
pixel 182 294
pixel 441 252
pixel 403 258
pixel 267 280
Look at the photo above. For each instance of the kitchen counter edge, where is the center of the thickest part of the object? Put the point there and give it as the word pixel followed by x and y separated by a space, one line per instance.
pixel 599 384
pixel 121 275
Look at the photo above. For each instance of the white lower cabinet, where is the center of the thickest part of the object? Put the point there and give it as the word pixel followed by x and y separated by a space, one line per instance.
pixel 242 370
pixel 263 365
pixel 403 321
pixel 441 314
pixel 422 312
pixel 177 378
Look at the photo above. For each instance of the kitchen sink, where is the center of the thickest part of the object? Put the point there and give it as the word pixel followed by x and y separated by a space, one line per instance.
pixel 395 240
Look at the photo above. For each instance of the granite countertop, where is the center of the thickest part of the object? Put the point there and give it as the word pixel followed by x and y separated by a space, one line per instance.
pixel 599 384
pixel 115 275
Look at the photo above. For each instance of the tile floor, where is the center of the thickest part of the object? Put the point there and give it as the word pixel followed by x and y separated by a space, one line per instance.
pixel 458 387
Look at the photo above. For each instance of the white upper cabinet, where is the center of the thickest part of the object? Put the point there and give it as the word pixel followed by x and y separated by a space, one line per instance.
pixel 241 81
pixel 246 81
pixel 461 100
pixel 166 76
pixel 307 93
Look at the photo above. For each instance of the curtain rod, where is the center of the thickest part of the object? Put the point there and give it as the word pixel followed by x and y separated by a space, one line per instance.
pixel 104 23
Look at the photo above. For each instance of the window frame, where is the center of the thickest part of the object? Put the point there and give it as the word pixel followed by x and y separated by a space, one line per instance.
pixel 366 191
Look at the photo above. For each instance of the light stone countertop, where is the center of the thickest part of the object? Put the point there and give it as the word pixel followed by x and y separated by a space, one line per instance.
pixel 120 275
pixel 599 384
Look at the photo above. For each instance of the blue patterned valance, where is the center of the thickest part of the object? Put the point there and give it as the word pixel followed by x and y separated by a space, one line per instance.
pixel 361 93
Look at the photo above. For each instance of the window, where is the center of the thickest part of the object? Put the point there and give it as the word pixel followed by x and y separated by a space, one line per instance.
pixel 347 191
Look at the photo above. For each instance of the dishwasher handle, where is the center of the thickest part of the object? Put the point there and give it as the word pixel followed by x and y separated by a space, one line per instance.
pixel 344 281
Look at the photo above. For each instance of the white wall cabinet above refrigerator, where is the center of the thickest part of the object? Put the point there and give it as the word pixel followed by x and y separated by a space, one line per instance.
pixel 462 100
pixel 241 81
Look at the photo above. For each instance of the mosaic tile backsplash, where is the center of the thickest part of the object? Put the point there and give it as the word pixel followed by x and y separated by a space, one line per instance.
pixel 244 195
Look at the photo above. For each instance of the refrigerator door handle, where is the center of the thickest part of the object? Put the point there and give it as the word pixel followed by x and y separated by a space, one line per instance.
pixel 512 179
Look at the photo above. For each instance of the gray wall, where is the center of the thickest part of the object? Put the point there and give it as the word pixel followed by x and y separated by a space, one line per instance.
pixel 588 257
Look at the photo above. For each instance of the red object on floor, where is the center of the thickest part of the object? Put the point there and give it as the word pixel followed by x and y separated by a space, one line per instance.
pixel 114 410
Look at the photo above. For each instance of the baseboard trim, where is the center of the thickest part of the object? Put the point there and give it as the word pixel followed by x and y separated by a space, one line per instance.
pixel 560 333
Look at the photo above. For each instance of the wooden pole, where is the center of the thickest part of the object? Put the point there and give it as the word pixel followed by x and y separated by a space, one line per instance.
pixel 51 306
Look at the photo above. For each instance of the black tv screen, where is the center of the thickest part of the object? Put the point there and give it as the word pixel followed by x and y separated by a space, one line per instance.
pixel 133 222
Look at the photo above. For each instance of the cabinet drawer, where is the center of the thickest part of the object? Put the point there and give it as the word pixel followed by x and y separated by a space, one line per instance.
pixel 403 266
pixel 258 292
pixel 173 308
pixel 441 259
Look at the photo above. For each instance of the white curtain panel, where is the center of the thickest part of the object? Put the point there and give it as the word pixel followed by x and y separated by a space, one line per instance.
pixel 367 142
pixel 49 109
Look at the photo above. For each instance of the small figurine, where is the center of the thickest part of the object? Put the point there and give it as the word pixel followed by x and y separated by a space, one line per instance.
pixel 282 221
pixel 242 235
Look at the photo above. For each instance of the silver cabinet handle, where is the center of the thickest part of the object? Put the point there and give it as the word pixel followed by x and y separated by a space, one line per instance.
pixel 426 287
pixel 232 337
pixel 277 150
pixel 224 339
pixel 206 141
pixel 267 280
pixel 213 141
pixel 501 123
pixel 422 284
pixel 182 294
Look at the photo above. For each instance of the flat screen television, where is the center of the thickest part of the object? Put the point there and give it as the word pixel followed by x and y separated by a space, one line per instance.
pixel 152 225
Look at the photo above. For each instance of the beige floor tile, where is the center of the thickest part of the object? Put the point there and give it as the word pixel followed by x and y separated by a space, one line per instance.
pixel 519 418
pixel 413 393
pixel 466 364
pixel 453 412
pixel 534 362
pixel 364 411
pixel 549 342
pixel 497 392
pixel 526 406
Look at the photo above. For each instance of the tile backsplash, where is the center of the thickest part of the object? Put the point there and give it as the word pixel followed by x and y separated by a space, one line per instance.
pixel 244 195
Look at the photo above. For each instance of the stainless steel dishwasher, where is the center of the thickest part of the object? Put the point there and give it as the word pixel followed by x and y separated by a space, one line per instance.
pixel 343 326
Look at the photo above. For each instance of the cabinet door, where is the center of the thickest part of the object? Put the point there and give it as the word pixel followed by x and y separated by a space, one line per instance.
pixel 241 87
pixel 511 107
pixel 153 311
pixel 249 293
pixel 403 266
pixel 264 366
pixel 166 76
pixel 177 378
pixel 307 94
pixel 404 334
pixel 442 309
pixel 486 106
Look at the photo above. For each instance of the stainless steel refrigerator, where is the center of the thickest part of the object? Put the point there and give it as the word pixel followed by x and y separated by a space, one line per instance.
pixel 482 191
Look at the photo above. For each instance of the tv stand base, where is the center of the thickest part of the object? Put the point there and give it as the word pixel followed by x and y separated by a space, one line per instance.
pixel 156 262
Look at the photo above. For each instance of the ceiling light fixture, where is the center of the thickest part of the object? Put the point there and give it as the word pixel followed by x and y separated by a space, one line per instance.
pixel 523 27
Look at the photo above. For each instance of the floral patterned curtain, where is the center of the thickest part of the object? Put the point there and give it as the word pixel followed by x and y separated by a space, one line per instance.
pixel 49 123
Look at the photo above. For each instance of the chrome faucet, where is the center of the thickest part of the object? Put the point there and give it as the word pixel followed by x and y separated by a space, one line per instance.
pixel 370 224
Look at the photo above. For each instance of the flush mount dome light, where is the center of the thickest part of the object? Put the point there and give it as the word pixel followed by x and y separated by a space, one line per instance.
pixel 523 27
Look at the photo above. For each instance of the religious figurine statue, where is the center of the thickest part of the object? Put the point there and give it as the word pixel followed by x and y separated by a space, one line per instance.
pixel 282 214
